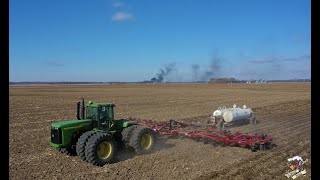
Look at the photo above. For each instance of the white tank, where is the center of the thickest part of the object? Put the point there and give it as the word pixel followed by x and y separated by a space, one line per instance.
pixel 237 114
pixel 223 109
pixel 220 111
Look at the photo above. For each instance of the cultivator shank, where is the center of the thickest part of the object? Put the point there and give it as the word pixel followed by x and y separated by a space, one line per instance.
pixel 206 134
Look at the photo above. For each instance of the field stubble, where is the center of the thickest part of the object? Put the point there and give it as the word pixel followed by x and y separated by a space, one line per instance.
pixel 282 109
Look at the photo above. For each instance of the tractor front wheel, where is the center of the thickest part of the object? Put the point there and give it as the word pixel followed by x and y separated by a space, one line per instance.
pixel 100 149
pixel 67 151
pixel 142 140
pixel 82 142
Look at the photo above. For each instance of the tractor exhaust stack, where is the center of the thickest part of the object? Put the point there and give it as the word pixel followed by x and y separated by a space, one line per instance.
pixel 83 109
pixel 78 110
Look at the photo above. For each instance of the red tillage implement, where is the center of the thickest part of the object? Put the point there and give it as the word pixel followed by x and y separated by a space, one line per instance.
pixel 206 134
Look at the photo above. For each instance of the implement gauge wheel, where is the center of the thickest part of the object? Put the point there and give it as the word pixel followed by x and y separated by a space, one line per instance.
pixel 142 140
pixel 220 125
pixel 262 147
pixel 100 149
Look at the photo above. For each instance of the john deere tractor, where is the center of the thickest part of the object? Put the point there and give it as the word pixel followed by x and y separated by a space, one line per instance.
pixel 96 135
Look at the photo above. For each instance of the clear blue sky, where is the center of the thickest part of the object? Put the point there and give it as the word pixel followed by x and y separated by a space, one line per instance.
pixel 113 40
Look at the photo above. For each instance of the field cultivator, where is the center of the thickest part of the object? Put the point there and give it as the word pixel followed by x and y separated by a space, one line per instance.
pixel 206 134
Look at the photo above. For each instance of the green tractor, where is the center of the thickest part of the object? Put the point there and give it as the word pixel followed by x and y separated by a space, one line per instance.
pixel 96 136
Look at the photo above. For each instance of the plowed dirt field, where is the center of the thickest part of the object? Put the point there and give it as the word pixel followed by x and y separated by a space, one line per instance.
pixel 282 110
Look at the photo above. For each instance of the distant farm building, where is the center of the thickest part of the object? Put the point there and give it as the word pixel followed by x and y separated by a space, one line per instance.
pixel 225 80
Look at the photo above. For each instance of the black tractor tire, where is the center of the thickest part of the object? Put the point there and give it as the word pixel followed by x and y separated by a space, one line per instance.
pixel 82 142
pixel 100 149
pixel 142 140
pixel 127 134
pixel 220 125
pixel 67 151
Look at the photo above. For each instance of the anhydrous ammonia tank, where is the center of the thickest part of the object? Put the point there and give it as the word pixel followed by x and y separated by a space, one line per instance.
pixel 236 115
pixel 220 111
pixel 228 116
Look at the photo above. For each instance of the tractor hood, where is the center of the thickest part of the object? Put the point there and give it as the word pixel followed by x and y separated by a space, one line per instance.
pixel 72 123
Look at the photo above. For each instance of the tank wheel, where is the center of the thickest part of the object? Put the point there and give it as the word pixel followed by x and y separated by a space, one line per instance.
pixel 68 151
pixel 127 134
pixel 81 144
pixel 142 140
pixel 220 125
pixel 253 120
pixel 100 149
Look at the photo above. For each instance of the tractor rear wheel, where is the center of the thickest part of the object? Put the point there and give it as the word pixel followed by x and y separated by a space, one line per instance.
pixel 142 140
pixel 126 135
pixel 100 149
pixel 81 144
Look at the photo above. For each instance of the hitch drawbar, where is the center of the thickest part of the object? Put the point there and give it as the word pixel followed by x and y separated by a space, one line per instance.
pixel 206 134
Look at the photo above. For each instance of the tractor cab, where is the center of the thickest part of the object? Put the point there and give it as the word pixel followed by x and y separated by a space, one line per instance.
pixel 100 114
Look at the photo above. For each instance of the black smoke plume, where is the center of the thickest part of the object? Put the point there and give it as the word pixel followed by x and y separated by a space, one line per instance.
pixel 214 69
pixel 164 72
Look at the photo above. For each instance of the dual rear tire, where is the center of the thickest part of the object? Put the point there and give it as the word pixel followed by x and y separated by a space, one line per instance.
pixel 142 140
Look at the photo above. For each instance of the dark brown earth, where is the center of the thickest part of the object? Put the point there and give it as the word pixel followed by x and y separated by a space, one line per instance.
pixel 282 110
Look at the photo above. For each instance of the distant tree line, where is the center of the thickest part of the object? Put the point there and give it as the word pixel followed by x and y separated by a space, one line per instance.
pixel 212 80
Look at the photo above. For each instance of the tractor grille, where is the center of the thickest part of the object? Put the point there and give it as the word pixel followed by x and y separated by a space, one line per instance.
pixel 56 135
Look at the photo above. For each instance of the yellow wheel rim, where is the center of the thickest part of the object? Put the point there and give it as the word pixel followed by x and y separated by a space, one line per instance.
pixel 146 141
pixel 104 150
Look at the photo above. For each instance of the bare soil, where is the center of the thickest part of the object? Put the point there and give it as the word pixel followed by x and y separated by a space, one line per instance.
pixel 283 110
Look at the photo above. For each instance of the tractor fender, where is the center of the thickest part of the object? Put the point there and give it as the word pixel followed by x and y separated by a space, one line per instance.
pixel 129 123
